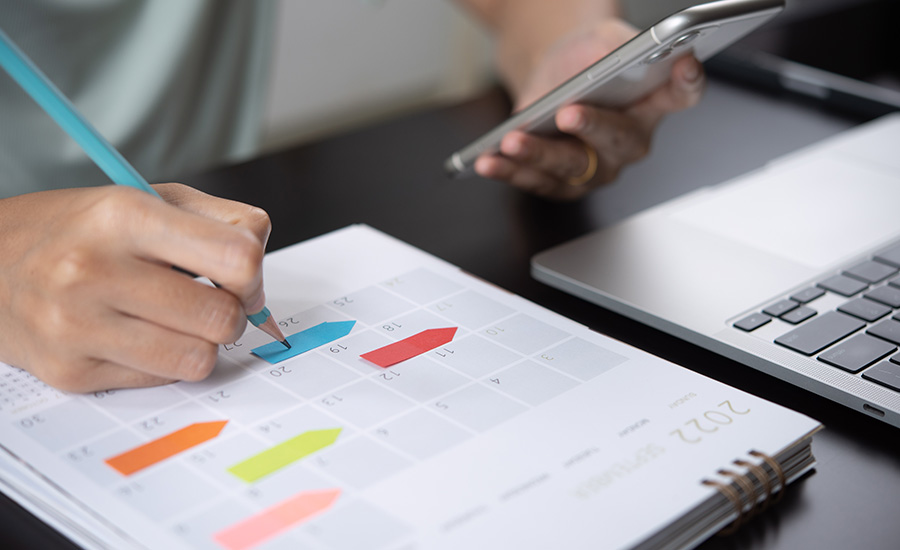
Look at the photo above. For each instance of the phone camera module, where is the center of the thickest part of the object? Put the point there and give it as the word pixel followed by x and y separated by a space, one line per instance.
pixel 658 56
pixel 685 39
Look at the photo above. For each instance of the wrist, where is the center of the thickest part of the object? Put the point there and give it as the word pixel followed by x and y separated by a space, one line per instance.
pixel 528 29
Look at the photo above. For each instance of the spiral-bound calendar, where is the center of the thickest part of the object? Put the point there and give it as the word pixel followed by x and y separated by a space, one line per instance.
pixel 419 407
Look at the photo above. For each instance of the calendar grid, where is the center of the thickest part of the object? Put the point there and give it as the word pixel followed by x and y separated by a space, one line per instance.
pixel 394 417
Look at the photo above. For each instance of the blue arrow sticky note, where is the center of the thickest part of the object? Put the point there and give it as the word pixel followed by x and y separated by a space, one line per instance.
pixel 303 341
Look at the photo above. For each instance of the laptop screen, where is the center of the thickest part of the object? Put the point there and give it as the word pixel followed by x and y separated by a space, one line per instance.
pixel 841 54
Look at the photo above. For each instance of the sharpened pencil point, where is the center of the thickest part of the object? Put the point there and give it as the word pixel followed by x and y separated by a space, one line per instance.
pixel 264 321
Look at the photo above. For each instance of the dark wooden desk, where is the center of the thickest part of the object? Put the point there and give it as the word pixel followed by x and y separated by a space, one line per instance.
pixel 390 177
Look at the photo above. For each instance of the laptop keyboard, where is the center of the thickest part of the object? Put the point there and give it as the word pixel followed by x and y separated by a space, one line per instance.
pixel 861 335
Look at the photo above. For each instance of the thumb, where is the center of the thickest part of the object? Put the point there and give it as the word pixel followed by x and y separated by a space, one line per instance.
pixel 683 90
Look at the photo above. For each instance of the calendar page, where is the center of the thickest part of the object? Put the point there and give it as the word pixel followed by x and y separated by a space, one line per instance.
pixel 419 407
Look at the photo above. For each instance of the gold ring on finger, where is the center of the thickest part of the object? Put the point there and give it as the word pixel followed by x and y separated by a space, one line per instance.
pixel 589 172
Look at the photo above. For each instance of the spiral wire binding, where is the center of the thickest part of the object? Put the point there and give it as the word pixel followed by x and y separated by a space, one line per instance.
pixel 746 491
pixel 782 482
pixel 742 491
pixel 762 477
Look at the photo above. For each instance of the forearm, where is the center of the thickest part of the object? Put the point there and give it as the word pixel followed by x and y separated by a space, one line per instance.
pixel 525 29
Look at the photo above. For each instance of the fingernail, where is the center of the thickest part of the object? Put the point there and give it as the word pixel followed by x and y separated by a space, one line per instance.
pixel 571 121
pixel 482 166
pixel 692 73
pixel 257 304
pixel 512 148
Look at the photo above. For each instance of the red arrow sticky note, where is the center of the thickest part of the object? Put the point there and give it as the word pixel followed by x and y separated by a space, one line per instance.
pixel 410 347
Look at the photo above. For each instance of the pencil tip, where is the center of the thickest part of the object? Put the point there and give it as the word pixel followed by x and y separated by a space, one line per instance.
pixel 286 343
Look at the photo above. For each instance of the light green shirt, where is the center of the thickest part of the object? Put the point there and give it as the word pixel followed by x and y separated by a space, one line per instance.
pixel 175 85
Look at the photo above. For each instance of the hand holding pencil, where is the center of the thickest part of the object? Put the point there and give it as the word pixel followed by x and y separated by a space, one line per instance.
pixel 88 299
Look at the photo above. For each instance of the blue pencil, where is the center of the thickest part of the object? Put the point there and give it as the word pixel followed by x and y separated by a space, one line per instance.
pixel 113 164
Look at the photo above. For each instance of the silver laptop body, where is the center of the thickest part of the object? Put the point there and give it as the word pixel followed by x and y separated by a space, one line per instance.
pixel 706 266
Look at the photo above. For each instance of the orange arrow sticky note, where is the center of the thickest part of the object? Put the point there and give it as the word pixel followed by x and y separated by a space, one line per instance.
pixel 165 447
pixel 408 348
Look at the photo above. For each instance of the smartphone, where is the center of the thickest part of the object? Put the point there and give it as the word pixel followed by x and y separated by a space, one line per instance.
pixel 632 71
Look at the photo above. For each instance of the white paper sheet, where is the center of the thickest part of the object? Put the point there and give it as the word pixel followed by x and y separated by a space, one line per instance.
pixel 525 431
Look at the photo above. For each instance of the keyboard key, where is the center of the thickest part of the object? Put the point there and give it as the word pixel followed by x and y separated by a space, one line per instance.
pixel 820 333
pixel 780 308
pixel 857 353
pixel 843 285
pixel 807 295
pixel 891 256
pixel 865 309
pixel 798 315
pixel 753 321
pixel 887 295
pixel 871 271
pixel 889 330
pixel 895 282
pixel 886 374
pixel 896 358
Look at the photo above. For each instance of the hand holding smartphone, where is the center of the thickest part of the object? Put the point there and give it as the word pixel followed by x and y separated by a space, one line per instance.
pixel 632 71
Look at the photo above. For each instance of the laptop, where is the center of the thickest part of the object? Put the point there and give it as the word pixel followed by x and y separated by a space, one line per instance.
pixel 793 269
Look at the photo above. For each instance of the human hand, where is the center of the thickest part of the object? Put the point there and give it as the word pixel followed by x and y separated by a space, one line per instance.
pixel 554 167
pixel 88 296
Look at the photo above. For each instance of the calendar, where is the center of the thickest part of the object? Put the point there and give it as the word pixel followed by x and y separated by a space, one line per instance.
pixel 419 407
